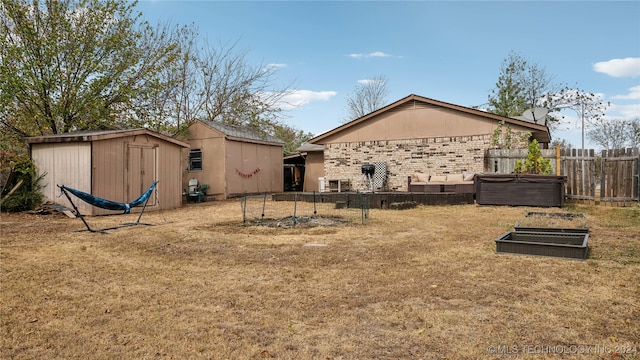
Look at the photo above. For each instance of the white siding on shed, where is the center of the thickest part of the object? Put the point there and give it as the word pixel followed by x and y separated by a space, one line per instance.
pixel 66 164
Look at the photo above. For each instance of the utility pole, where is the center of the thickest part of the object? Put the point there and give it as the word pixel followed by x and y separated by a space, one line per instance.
pixel 582 116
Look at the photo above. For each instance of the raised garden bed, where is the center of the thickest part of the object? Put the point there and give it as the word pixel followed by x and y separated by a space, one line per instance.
pixel 562 235
pixel 543 243
pixel 552 230
pixel 553 222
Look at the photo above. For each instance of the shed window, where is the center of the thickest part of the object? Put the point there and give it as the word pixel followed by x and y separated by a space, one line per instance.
pixel 195 160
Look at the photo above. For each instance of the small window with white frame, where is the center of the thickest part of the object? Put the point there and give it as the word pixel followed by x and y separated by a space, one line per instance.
pixel 195 160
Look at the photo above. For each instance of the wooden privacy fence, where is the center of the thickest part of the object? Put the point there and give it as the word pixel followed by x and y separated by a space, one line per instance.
pixel 503 161
pixel 620 175
pixel 611 178
pixel 580 170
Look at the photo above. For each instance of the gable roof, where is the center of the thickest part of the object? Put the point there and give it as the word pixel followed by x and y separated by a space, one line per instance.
pixel 242 133
pixel 538 131
pixel 95 135
pixel 310 147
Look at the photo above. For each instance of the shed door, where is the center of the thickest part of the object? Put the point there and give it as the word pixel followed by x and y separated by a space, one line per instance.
pixel 141 170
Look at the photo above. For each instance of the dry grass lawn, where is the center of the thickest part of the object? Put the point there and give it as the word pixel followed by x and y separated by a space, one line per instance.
pixel 424 283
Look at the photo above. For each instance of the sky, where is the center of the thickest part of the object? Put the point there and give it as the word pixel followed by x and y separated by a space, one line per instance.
pixel 448 51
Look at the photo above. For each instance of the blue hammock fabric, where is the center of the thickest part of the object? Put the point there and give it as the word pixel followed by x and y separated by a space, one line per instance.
pixel 108 204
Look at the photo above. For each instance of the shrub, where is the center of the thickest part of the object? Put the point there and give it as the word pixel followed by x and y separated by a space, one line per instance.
pixel 403 205
pixel 29 194
pixel 535 163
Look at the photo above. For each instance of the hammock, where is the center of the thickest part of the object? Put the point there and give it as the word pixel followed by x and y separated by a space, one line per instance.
pixel 108 204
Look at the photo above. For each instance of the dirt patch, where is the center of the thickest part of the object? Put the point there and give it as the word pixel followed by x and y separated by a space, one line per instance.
pixel 302 222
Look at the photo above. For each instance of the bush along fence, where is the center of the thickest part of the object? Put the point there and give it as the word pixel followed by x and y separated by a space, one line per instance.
pixel 303 209
pixel 610 178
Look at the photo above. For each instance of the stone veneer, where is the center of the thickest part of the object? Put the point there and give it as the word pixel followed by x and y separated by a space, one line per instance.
pixel 434 156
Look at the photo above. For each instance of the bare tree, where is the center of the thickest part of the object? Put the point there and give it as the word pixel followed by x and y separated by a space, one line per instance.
pixel 563 143
pixel 235 92
pixel 368 96
pixel 634 136
pixel 218 84
pixel 588 106
pixel 610 134
pixel 615 133
pixel 168 107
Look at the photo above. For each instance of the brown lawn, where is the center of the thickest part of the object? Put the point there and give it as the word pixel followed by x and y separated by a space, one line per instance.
pixel 424 283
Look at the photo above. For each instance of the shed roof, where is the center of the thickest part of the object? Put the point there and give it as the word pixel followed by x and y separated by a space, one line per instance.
pixel 242 133
pixel 303 150
pixel 95 135
pixel 539 131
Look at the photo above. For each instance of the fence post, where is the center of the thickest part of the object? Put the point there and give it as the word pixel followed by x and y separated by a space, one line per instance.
pixel 264 204
pixel 558 172
pixel 364 207
pixel 636 175
pixel 603 176
pixel 592 190
pixel 243 205
pixel 315 211
pixel 295 206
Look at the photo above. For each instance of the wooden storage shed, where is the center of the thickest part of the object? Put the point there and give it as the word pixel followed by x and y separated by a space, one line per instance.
pixel 117 165
pixel 233 160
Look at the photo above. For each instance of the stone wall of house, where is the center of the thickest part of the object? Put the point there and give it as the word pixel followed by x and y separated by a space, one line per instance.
pixel 435 156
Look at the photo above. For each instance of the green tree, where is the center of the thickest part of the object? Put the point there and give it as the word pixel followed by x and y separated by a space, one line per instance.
pixel 508 98
pixel 291 137
pixel 523 84
pixel 73 65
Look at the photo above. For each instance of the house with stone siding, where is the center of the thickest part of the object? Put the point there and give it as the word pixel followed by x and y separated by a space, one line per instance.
pixel 413 134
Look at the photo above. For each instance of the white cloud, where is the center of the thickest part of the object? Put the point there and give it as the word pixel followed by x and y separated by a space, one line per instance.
pixel 376 54
pixel 298 98
pixel 276 65
pixel 366 81
pixel 370 81
pixel 634 94
pixel 630 111
pixel 627 67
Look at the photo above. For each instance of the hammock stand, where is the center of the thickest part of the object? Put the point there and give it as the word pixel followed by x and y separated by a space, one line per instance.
pixel 109 205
